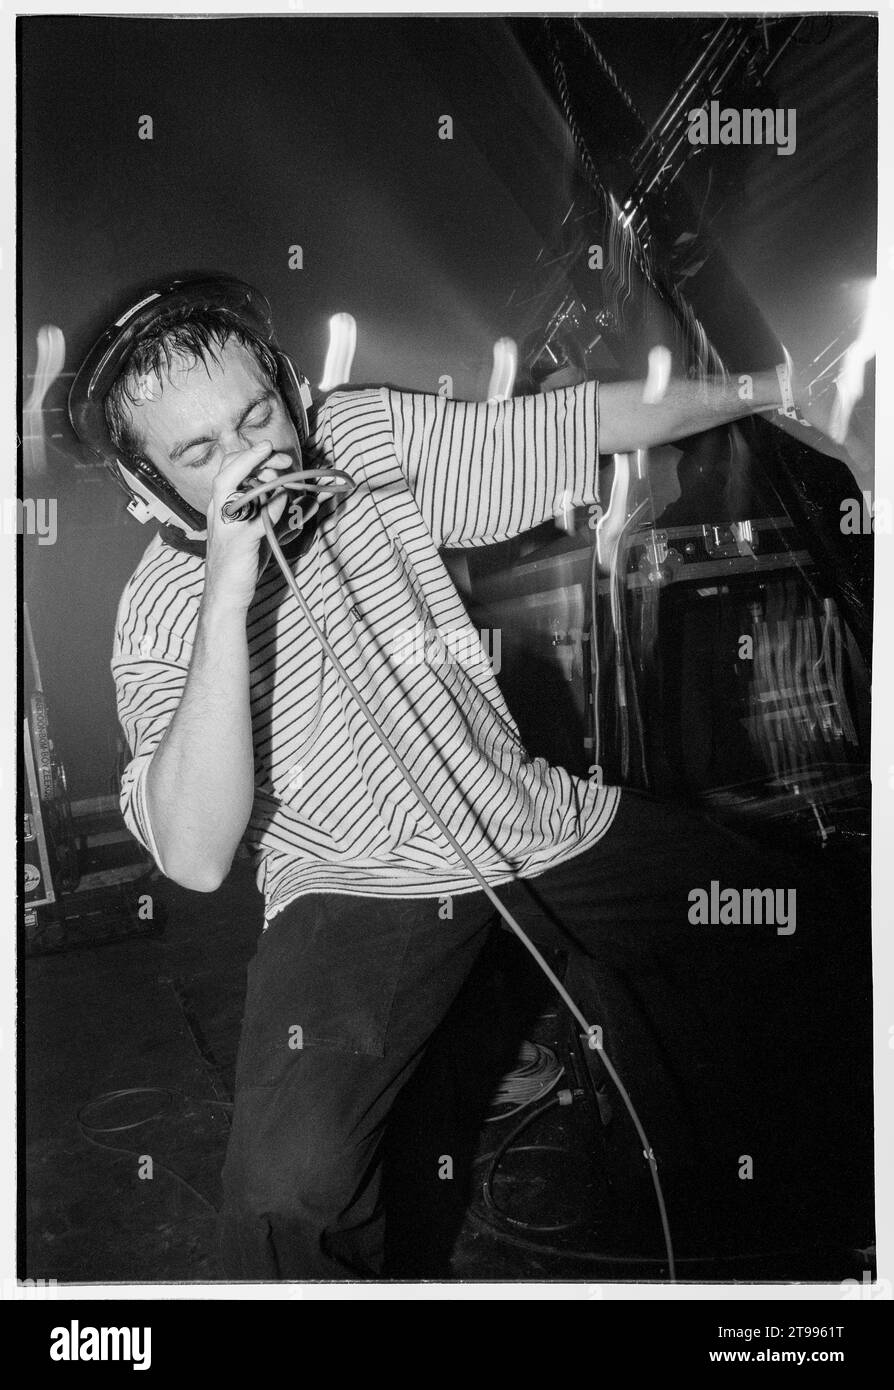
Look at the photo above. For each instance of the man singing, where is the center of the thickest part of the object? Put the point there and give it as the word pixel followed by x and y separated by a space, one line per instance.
pixel 241 730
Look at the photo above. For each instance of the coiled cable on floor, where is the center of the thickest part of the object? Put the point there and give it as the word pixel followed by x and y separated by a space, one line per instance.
pixel 537 1071
pixel 509 1143
pixel 88 1130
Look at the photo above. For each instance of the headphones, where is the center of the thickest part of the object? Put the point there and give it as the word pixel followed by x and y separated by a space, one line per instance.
pixel 151 496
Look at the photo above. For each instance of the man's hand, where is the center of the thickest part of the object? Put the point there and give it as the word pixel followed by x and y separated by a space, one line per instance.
pixel 233 547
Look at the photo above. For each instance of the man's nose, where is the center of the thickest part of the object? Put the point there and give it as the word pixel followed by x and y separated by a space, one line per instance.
pixel 236 441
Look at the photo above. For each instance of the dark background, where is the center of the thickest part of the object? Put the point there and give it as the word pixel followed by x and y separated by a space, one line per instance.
pixel 324 132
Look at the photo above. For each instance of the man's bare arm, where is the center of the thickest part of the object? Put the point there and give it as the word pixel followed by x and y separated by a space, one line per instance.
pixel 200 781
pixel 687 407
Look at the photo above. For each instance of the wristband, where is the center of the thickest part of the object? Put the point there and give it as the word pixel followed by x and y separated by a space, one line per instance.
pixel 788 407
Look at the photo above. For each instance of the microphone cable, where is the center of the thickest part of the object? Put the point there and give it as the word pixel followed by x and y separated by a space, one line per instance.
pixel 243 504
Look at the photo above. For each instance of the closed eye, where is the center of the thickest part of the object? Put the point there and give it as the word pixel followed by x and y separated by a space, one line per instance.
pixel 257 419
pixel 249 418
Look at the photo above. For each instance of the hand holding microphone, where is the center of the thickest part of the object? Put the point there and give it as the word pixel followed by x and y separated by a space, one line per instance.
pixel 248 500
pixel 233 550
pixel 249 484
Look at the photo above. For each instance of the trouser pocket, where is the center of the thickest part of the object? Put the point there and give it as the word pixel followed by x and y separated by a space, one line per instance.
pixel 324 976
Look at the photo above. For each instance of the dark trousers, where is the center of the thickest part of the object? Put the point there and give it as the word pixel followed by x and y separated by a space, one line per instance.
pixel 733 1039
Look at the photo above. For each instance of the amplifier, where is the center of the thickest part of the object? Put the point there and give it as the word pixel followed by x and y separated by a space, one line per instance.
pixel 38 887
pixel 721 669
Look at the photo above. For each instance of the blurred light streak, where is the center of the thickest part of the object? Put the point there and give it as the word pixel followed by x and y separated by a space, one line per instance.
pixel 340 354
pixel 851 380
pixel 502 377
pixel 658 376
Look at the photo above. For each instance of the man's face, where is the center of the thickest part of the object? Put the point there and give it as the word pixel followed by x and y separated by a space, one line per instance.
pixel 201 412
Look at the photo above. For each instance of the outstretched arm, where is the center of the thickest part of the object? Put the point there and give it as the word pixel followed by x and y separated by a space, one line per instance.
pixel 687 407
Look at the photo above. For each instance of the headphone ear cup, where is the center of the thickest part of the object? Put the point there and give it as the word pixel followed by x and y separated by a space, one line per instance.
pixel 153 497
pixel 296 392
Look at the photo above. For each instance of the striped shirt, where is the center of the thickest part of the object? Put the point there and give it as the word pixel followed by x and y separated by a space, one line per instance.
pixel 331 812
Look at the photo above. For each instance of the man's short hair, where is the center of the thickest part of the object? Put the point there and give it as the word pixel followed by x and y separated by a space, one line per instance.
pixel 189 334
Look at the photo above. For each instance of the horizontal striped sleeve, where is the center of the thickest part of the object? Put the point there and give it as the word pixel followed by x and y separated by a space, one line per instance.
pixel 483 472
pixel 134 807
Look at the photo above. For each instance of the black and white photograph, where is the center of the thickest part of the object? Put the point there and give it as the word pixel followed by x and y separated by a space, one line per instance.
pixel 446 519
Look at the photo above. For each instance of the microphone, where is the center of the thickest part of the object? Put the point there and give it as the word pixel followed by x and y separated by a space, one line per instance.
pixel 250 497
